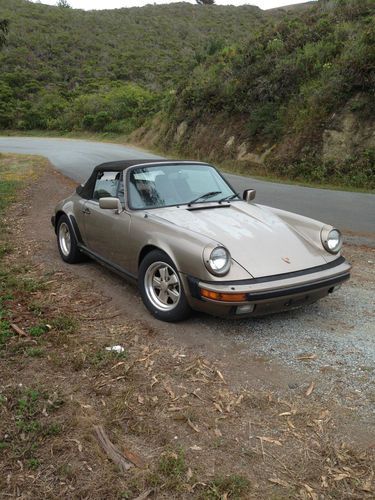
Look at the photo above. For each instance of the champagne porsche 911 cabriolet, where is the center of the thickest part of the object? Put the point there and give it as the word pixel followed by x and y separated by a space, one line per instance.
pixel 192 243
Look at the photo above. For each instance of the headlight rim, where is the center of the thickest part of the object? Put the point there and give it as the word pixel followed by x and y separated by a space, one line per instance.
pixel 324 236
pixel 207 257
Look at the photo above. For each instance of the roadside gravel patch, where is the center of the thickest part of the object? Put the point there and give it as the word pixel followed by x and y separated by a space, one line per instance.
pixel 333 340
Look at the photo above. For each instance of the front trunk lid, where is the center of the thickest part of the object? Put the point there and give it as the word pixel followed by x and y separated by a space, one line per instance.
pixel 257 239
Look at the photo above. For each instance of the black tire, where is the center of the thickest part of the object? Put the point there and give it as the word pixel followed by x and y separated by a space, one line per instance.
pixel 69 253
pixel 173 306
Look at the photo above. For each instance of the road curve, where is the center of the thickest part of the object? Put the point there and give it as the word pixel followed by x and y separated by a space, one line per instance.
pixel 352 212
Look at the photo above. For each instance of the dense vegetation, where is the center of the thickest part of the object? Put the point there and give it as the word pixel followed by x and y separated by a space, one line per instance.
pixel 102 70
pixel 288 69
pixel 280 77
pixel 287 82
pixel 3 31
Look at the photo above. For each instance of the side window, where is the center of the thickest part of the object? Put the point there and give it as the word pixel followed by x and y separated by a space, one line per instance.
pixel 106 185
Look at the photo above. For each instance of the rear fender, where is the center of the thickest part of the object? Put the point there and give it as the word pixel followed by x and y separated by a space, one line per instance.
pixel 73 222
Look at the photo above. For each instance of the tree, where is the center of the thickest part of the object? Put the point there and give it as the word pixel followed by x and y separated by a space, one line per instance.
pixel 64 4
pixel 205 2
pixel 3 31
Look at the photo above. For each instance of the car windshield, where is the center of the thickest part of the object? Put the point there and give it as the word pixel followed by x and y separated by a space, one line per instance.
pixel 170 185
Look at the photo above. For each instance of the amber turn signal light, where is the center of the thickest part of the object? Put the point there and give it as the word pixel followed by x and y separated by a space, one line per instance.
pixel 224 297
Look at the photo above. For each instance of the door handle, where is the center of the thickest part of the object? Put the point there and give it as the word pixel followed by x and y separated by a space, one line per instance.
pixel 86 211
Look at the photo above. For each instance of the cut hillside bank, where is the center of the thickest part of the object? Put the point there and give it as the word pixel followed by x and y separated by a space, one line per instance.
pixel 296 100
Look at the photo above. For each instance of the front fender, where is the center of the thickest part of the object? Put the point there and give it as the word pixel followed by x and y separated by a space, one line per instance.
pixel 184 247
pixel 310 229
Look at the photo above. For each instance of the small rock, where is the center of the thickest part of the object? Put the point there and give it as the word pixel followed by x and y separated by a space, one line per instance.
pixel 229 142
pixel 293 385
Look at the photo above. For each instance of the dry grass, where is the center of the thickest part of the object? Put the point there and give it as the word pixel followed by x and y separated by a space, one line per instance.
pixel 172 413
pixel 16 171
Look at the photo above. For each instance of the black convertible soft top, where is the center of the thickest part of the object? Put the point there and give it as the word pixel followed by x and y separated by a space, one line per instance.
pixel 86 190
pixel 119 166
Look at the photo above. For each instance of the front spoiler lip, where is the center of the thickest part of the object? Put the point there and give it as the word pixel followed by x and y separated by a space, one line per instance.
pixel 263 290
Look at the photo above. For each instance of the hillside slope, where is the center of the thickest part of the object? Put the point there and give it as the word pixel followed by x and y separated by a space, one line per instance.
pixel 151 45
pixel 296 100
pixel 67 68
pixel 289 92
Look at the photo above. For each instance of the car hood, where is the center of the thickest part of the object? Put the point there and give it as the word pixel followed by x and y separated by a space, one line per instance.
pixel 256 238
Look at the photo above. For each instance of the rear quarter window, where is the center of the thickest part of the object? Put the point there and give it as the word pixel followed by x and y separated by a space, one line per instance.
pixel 106 185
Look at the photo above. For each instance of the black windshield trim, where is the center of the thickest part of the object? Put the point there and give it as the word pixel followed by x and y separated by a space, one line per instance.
pixel 207 207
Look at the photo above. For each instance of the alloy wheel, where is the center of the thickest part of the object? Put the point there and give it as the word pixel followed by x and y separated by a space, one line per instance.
pixel 162 285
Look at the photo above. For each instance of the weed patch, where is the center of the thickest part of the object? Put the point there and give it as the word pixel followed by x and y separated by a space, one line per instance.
pixel 233 486
pixel 64 324
pixel 31 412
pixel 103 358
pixel 38 330
pixel 34 352
pixel 5 332
pixel 170 471
pixel 33 463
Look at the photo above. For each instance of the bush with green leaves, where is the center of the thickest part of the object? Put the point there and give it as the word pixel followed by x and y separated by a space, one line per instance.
pixel 285 84
pixel 69 69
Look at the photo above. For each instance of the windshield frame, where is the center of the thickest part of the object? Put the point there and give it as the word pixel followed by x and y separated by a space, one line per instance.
pixel 152 164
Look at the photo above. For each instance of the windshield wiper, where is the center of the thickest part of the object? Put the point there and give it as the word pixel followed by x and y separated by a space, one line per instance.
pixel 230 197
pixel 203 197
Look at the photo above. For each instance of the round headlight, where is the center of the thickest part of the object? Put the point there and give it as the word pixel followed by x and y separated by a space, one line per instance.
pixel 332 240
pixel 218 261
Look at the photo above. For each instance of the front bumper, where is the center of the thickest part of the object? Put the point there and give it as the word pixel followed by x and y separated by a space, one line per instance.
pixel 270 294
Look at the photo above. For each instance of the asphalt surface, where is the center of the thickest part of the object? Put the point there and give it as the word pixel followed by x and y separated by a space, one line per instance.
pixel 351 212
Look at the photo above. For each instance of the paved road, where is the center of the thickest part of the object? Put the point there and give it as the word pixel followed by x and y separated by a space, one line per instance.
pixel 349 211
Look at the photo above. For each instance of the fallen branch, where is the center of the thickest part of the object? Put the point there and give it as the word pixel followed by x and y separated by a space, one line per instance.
pixel 113 453
pixel 18 330
pixel 134 458
pixel 93 306
pixel 310 389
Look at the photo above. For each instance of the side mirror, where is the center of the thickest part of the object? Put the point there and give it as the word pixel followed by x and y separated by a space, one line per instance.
pixel 248 195
pixel 110 204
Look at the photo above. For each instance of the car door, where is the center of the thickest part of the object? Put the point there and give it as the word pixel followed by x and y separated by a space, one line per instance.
pixel 106 231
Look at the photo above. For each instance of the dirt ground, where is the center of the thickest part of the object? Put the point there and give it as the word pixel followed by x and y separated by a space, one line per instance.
pixel 190 411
